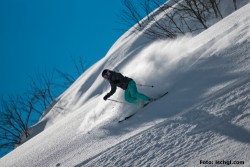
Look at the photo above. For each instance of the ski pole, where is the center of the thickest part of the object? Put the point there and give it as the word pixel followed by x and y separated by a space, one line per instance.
pixel 118 101
pixel 145 85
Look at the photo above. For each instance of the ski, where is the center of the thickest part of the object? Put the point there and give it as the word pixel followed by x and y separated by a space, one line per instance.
pixel 126 118
pixel 154 99
pixel 160 96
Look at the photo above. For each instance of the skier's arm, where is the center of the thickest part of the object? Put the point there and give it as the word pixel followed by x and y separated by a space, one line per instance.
pixel 112 91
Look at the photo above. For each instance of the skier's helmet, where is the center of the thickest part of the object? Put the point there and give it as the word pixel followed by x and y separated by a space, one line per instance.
pixel 105 73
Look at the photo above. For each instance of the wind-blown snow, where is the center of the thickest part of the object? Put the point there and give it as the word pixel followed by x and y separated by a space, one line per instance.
pixel 205 116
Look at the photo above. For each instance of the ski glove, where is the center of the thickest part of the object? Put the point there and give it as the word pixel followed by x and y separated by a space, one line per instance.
pixel 105 97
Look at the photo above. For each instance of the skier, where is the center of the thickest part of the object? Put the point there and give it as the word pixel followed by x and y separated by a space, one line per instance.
pixel 118 80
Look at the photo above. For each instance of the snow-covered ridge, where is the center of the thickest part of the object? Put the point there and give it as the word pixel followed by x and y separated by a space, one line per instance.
pixel 204 117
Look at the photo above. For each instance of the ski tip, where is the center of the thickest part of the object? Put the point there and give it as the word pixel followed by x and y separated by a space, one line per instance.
pixel 121 121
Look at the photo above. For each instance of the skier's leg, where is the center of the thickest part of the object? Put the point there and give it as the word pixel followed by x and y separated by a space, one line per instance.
pixel 134 93
pixel 128 97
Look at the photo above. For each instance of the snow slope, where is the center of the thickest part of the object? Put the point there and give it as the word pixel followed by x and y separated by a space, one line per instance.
pixel 205 116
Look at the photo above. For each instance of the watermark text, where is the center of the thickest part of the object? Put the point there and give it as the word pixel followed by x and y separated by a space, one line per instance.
pixel 221 162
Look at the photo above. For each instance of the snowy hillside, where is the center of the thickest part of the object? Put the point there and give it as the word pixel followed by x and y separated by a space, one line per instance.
pixel 205 117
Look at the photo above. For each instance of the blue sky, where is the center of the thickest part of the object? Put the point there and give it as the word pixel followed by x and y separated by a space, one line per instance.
pixel 45 34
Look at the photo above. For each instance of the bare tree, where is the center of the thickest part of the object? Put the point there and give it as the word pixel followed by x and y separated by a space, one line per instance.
pixel 66 79
pixel 79 64
pixel 235 5
pixel 28 103
pixel 176 17
pixel 131 14
pixel 17 112
pixel 195 10
pixel 42 92
pixel 168 25
pixel 13 123
pixel 215 7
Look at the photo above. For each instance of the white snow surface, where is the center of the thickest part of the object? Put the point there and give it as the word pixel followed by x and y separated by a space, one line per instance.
pixel 205 116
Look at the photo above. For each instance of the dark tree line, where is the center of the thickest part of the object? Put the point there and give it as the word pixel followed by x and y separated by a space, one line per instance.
pixel 19 112
pixel 158 19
